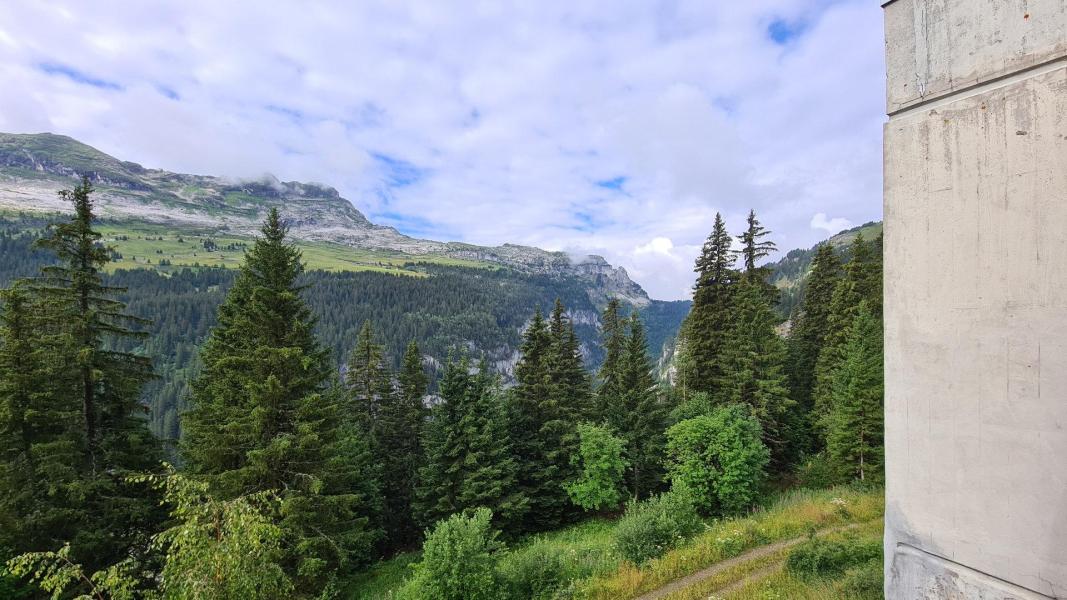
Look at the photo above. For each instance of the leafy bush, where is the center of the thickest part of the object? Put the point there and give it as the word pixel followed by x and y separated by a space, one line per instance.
pixel 535 572
pixel 816 472
pixel 653 526
pixel 458 560
pixel 718 458
pixel 601 464
pixel 820 557
pixel 864 582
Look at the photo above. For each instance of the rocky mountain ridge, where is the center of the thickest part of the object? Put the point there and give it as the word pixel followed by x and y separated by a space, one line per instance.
pixel 33 167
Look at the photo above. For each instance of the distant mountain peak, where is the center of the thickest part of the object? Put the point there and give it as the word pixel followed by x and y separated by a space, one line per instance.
pixel 33 167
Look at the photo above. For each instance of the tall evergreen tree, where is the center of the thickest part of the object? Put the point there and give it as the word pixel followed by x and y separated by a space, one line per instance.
pixel 369 380
pixel 703 334
pixel 811 323
pixel 71 391
pixel 861 282
pixel 399 449
pixel 637 414
pixel 613 340
pixel 855 439
pixel 754 248
pixel 469 460
pixel 754 370
pixel 263 417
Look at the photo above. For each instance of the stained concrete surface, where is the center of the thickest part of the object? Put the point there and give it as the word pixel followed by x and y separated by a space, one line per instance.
pixel 976 299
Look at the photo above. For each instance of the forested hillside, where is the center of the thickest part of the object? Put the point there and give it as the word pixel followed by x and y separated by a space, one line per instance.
pixel 310 449
pixel 441 307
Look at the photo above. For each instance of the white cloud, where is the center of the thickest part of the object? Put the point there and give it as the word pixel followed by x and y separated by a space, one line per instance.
pixel 835 225
pixel 509 113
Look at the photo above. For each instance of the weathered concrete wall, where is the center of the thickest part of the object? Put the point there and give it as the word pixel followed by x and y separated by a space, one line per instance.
pixel 976 299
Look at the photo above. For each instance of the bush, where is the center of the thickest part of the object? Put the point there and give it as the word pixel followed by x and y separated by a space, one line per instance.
pixel 534 572
pixel 719 459
pixel 816 472
pixel 458 560
pixel 818 558
pixel 601 467
pixel 864 582
pixel 650 528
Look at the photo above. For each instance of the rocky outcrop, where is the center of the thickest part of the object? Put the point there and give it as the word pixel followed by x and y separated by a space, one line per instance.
pixel 33 167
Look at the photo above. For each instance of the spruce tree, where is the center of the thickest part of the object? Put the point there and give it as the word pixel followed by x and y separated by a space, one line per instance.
pixel 368 378
pixel 861 282
pixel 398 447
pixel 755 371
pixel 638 415
pixel 855 439
pixel 613 340
pixel 753 249
pixel 264 418
pixel 808 331
pixel 469 460
pixel 703 334
pixel 73 388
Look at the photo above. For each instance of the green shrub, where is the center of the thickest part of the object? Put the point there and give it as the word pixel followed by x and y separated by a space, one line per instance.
pixel 601 466
pixel 816 472
pixel 458 560
pixel 534 572
pixel 819 557
pixel 698 404
pixel 719 459
pixel 653 526
pixel 864 582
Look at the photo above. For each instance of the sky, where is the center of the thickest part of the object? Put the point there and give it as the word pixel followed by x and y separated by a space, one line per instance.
pixel 602 127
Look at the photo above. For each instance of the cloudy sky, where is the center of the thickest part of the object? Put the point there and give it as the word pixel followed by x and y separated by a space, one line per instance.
pixel 616 128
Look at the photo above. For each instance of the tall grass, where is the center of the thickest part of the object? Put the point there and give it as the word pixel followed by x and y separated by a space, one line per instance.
pixel 793 515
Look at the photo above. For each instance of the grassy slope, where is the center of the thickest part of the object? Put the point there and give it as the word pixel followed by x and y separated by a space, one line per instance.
pixel 141 247
pixel 598 571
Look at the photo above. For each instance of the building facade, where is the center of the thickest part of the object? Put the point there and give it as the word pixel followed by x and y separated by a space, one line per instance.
pixel 976 299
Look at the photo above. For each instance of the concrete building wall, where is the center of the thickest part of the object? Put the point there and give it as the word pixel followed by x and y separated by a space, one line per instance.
pixel 976 299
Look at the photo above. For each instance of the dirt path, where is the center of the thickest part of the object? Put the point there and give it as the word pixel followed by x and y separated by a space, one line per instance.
pixel 684 582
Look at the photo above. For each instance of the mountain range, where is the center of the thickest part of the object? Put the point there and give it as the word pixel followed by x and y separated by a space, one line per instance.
pixel 33 167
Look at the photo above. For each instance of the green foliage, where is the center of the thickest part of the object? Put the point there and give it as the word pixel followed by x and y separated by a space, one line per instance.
pixel 469 461
pixel 70 416
pixel 553 395
pixel 753 370
pixel 264 419
pixel 458 560
pixel 855 440
pixel 602 466
pixel 865 582
pixel 220 549
pixel 637 414
pixel 653 526
pixel 535 572
pixel 817 471
pixel 698 404
pixel 703 334
pixel 828 558
pixel 810 324
pixel 718 459
pixel 57 574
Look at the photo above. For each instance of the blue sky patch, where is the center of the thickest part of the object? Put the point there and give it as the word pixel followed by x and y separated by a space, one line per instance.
pixel 783 32
pixel 77 76
pixel 398 172
pixel 614 183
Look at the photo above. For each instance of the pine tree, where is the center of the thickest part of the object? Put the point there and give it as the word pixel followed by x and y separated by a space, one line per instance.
pixel 753 249
pixel 469 461
pixel 861 282
pixel 569 381
pixel 638 415
pixel 855 439
pixel 754 371
pixel 613 340
pixel 75 394
pixel 263 417
pixel 399 449
pixel 703 334
pixel 810 325
pixel 368 377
